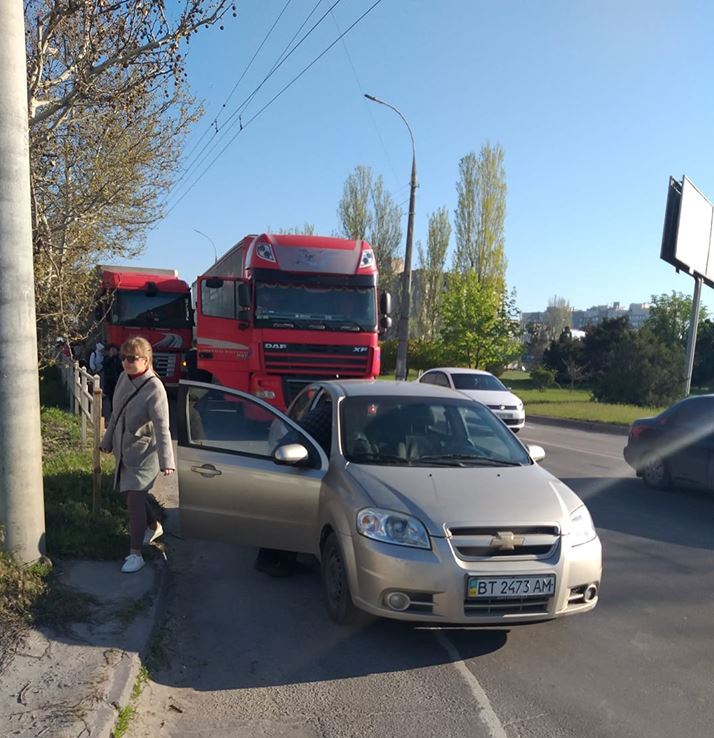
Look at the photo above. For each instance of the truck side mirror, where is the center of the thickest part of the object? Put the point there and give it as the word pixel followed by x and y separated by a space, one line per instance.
pixel 385 324
pixel 243 318
pixel 151 289
pixel 385 303
pixel 243 295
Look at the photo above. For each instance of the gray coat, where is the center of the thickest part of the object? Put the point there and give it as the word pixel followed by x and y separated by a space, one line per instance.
pixel 139 437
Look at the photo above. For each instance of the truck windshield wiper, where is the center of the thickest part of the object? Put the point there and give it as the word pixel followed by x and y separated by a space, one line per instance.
pixel 347 324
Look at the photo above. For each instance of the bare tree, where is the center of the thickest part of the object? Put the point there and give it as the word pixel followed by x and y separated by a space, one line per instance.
pixel 385 232
pixel 480 215
pixel 108 113
pixel 307 229
pixel 431 267
pixel 558 315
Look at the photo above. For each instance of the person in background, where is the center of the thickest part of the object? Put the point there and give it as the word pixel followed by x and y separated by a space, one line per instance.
pixel 112 371
pixel 63 352
pixel 96 359
pixel 138 435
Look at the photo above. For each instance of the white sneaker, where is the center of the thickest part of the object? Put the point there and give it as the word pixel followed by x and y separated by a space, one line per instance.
pixel 132 563
pixel 153 533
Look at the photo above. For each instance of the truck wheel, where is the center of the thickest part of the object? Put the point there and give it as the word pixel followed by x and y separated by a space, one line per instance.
pixel 335 587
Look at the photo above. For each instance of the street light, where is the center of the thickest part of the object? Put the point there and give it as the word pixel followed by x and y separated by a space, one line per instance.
pixel 403 329
pixel 201 233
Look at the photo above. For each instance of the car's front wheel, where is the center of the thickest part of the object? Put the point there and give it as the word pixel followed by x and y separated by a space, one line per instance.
pixel 656 474
pixel 335 587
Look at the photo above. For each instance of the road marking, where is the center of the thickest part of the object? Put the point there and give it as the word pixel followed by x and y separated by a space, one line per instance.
pixel 486 712
pixel 577 450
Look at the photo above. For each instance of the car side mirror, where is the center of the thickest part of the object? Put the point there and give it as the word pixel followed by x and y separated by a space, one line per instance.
pixel 537 453
pixel 291 454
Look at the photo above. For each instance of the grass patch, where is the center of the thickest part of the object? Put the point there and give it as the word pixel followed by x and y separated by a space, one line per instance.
pixel 31 595
pixel 123 721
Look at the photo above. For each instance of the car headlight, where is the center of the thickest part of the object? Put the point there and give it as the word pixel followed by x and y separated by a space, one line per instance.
pixel 392 527
pixel 582 529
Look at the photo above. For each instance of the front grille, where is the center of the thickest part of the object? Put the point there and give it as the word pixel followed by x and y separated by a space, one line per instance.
pixel 495 606
pixel 316 359
pixel 502 407
pixel 474 543
pixel 165 364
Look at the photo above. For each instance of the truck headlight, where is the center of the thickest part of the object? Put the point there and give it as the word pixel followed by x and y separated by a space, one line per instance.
pixel 582 528
pixel 392 527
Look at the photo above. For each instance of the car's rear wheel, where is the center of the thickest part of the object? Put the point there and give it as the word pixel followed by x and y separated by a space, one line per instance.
pixel 335 587
pixel 656 474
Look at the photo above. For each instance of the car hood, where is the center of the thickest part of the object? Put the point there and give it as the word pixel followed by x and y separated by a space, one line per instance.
pixel 449 496
pixel 491 397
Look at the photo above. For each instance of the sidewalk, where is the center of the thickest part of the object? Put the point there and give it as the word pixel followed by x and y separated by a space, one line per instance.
pixel 73 682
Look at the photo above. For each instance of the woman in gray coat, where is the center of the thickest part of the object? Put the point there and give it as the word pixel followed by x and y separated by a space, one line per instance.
pixel 138 434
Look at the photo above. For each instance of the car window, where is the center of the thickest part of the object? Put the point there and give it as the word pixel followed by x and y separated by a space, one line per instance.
pixel 226 422
pixel 466 381
pixel 420 431
pixel 440 379
pixel 697 412
pixel 302 403
pixel 427 378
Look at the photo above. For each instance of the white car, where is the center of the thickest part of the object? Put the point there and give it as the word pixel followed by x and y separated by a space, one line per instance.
pixel 481 386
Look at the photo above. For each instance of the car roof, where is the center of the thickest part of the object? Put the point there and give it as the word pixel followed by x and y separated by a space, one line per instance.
pixel 458 370
pixel 386 388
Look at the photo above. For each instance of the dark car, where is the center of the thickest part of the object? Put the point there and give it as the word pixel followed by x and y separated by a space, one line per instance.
pixel 675 447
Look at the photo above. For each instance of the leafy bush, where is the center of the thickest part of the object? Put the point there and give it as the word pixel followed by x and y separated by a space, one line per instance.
pixel 542 377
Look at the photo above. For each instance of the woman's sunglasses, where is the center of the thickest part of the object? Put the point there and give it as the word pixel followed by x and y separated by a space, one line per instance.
pixel 131 358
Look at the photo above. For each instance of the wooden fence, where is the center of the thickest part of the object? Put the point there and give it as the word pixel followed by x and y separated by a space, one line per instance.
pixel 84 397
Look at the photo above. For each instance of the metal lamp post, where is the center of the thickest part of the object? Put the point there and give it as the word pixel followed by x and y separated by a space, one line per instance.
pixel 201 233
pixel 403 328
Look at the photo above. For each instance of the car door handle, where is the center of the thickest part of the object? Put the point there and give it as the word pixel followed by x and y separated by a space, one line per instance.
pixel 207 470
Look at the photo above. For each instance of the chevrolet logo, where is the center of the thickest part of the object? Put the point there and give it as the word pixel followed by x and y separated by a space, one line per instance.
pixel 506 540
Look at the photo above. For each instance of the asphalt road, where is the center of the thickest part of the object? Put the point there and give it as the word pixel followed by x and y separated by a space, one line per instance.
pixel 247 655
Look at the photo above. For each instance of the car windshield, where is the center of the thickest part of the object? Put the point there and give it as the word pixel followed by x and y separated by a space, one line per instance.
pixel 477 382
pixel 424 431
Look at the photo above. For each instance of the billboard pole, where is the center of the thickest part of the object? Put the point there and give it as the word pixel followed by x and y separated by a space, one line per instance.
pixel 22 513
pixel 692 338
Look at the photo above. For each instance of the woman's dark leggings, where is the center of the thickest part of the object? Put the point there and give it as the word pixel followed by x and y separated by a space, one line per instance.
pixel 140 515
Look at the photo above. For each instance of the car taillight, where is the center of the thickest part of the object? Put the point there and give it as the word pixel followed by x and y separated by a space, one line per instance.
pixel 636 431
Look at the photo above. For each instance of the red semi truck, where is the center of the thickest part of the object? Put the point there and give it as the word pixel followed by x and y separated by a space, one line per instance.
pixel 277 312
pixel 153 303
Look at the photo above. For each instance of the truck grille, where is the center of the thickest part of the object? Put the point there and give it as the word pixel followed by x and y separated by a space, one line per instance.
pixel 474 543
pixel 316 360
pixel 165 364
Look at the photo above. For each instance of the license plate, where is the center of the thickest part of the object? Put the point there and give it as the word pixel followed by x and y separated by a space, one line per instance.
pixel 510 587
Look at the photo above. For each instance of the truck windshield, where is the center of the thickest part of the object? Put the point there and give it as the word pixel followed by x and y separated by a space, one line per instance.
pixel 163 310
pixel 335 308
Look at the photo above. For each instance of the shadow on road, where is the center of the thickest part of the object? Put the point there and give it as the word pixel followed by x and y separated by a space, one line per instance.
pixel 684 517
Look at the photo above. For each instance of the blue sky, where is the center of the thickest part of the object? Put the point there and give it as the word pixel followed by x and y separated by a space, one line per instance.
pixel 594 104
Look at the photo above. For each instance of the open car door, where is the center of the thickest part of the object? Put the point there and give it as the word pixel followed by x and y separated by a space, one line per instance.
pixel 231 488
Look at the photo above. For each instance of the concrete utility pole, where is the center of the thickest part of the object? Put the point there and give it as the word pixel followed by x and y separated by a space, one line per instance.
pixel 22 511
pixel 403 328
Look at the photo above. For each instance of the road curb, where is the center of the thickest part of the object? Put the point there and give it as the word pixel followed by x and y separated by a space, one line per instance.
pixel 120 684
pixel 610 428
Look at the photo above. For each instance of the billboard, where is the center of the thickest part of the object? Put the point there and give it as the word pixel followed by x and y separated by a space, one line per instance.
pixel 687 237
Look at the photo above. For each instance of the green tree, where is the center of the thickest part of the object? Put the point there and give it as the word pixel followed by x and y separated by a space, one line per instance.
pixel 599 342
pixel 480 326
pixel 565 358
pixel 431 267
pixel 480 215
pixel 640 369
pixel 536 341
pixel 669 317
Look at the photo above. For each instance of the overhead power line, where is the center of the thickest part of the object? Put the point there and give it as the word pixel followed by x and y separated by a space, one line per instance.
pixel 273 99
pixel 235 117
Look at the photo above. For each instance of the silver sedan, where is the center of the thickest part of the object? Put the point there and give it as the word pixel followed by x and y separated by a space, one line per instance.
pixel 419 504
